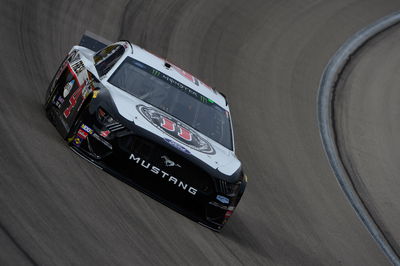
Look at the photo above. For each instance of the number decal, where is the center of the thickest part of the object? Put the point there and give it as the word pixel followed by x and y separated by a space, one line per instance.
pixel 185 134
pixel 179 131
pixel 168 124
pixel 74 98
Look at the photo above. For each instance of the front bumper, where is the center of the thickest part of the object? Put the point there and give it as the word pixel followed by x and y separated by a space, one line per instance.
pixel 173 187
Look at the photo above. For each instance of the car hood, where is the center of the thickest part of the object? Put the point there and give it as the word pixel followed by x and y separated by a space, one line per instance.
pixel 200 146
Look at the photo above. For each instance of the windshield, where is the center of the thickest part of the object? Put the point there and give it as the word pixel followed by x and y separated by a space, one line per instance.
pixel 171 96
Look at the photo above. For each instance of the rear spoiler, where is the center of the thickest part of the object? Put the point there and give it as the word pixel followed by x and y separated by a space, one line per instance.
pixel 93 42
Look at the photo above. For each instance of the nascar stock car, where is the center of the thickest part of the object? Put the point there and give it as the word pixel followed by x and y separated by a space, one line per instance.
pixel 150 124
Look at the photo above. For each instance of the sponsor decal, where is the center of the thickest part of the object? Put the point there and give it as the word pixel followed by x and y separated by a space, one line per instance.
pixel 223 199
pixel 105 133
pixel 87 129
pixel 60 99
pixel 84 131
pixel 82 134
pixel 59 102
pixel 68 88
pixel 77 142
pixel 177 146
pixel 162 174
pixel 78 67
pixel 176 129
pixel 95 93
pixel 176 83
pixel 169 163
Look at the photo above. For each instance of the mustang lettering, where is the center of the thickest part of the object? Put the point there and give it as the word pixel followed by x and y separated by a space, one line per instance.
pixel 156 171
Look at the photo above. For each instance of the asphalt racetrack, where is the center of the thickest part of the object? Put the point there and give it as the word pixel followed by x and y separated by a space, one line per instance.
pixel 266 56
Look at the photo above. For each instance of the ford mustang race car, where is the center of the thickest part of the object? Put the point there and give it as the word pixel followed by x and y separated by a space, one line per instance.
pixel 150 124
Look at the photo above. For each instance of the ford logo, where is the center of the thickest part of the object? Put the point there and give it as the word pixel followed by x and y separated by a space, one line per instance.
pixel 222 199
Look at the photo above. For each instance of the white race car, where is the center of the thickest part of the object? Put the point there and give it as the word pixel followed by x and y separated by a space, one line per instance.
pixel 151 124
